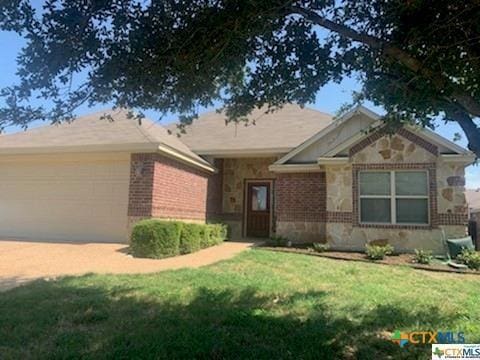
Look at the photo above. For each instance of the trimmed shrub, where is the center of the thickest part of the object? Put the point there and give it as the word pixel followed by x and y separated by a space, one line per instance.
pixel 277 241
pixel 422 256
pixel 377 252
pixel 156 239
pixel 471 258
pixel 212 234
pixel 190 238
pixel 159 239
pixel 204 237
pixel 318 247
pixel 218 233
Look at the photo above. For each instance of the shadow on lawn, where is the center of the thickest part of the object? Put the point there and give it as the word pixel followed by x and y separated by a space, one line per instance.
pixel 55 320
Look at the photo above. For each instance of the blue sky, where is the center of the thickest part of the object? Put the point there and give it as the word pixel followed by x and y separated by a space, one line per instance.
pixel 329 99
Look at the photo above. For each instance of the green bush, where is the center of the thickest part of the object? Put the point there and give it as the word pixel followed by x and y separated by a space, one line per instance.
pixel 159 239
pixel 318 247
pixel 422 256
pixel 218 233
pixel 156 239
pixel 212 234
pixel 471 258
pixel 190 237
pixel 204 238
pixel 277 241
pixel 378 252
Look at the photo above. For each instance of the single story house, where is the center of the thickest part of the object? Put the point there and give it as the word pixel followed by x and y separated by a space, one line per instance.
pixel 296 172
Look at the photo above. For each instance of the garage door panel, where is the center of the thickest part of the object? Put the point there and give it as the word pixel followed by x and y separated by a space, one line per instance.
pixel 71 201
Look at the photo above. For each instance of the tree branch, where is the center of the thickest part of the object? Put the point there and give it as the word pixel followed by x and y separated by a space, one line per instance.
pixel 457 96
pixel 472 131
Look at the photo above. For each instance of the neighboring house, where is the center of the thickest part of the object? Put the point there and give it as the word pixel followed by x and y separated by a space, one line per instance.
pixel 296 173
pixel 473 199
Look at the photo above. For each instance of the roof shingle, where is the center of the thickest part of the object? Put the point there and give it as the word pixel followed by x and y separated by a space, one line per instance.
pixel 92 131
pixel 281 130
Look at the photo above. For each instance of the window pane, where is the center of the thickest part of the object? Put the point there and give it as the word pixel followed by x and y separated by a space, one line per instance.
pixel 412 211
pixel 375 210
pixel 411 183
pixel 374 183
pixel 259 198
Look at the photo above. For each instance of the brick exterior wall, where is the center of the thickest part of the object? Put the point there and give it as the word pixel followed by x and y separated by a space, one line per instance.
pixel 162 187
pixel 179 191
pixel 141 185
pixel 452 219
pixel 339 217
pixel 300 197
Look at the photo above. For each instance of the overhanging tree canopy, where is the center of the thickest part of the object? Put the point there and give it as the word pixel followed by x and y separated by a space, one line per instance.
pixel 419 59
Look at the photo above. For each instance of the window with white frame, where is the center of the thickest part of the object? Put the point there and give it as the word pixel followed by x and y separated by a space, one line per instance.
pixel 393 197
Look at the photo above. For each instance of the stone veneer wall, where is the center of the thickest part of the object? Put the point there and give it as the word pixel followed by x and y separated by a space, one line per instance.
pixel 235 172
pixel 215 192
pixel 403 150
pixel 300 206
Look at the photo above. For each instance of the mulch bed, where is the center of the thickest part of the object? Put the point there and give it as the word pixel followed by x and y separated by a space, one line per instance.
pixel 397 259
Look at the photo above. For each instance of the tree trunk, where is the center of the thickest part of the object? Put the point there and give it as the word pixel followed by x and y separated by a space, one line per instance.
pixel 471 130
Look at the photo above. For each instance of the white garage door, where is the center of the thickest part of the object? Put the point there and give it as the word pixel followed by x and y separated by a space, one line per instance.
pixel 70 198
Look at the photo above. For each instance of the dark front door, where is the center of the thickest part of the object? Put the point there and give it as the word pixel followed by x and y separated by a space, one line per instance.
pixel 258 209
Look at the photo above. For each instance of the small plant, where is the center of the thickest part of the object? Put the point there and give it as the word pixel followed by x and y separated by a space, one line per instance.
pixel 318 247
pixel 277 241
pixel 422 256
pixel 377 252
pixel 471 258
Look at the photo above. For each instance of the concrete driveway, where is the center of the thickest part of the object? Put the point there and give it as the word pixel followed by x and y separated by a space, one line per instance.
pixel 22 261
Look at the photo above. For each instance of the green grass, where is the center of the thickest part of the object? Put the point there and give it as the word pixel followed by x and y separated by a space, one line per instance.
pixel 258 305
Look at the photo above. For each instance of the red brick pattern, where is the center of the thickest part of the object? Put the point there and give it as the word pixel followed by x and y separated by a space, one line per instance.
pixel 339 217
pixel 452 219
pixel 165 188
pixel 432 175
pixel 179 191
pixel 414 138
pixel 369 140
pixel 377 135
pixel 141 184
pixel 301 197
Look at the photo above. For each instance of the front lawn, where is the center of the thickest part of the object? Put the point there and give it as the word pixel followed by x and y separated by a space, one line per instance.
pixel 261 304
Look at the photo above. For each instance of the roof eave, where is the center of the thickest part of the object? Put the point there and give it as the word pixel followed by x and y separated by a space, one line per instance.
pixel 295 168
pixel 236 153
pixel 52 149
pixel 439 140
pixel 466 158
pixel 332 160
pixel 177 155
